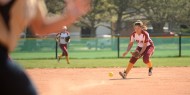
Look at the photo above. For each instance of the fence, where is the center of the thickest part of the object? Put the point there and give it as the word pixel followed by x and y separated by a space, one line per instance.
pixel 98 47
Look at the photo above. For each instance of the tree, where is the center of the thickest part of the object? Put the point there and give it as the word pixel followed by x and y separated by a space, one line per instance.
pixel 99 13
pixel 55 6
pixel 121 10
pixel 182 15
pixel 158 12
pixel 179 15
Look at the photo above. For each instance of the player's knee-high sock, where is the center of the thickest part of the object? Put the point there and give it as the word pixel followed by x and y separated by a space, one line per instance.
pixel 60 55
pixel 149 64
pixel 129 67
pixel 67 59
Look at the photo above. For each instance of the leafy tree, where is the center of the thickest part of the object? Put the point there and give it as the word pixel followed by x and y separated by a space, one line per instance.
pixel 158 12
pixel 121 9
pixel 55 6
pixel 179 15
pixel 99 13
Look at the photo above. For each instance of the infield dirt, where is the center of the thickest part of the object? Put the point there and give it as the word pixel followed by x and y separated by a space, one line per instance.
pixel 95 81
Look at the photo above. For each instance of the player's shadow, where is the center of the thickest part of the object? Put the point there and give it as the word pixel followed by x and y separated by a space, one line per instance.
pixel 127 79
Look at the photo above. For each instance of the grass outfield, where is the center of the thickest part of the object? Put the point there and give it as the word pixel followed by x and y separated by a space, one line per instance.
pixel 92 54
pixel 103 63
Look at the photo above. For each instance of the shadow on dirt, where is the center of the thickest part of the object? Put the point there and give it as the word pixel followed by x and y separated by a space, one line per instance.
pixel 127 79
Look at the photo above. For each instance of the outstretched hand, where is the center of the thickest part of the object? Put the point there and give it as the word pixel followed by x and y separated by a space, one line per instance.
pixel 124 54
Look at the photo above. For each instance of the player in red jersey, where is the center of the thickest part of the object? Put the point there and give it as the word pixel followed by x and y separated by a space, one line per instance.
pixel 145 48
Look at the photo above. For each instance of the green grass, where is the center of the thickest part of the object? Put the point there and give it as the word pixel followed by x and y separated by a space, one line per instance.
pixel 103 63
pixel 92 54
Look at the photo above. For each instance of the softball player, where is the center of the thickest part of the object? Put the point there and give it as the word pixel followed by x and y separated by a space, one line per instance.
pixel 144 49
pixel 15 16
pixel 63 40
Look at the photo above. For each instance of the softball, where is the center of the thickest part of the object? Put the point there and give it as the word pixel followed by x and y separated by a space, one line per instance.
pixel 110 74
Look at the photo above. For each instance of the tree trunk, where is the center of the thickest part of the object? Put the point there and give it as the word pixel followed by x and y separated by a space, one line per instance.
pixel 118 23
pixel 158 27
pixel 29 33
pixel 93 32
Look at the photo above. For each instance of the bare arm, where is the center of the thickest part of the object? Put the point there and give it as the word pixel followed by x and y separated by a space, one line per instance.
pixel 74 10
pixel 130 45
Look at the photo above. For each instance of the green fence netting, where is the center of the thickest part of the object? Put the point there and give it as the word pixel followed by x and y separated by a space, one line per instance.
pixel 96 47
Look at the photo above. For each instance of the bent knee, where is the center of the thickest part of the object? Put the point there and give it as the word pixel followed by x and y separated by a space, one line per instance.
pixel 133 60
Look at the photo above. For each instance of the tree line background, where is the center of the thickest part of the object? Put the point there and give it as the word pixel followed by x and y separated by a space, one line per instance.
pixel 153 12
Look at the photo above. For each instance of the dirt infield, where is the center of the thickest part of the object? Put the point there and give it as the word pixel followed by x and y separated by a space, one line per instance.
pixel 165 81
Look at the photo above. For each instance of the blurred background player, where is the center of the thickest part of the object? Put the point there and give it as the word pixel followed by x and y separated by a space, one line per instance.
pixel 144 49
pixel 15 16
pixel 63 38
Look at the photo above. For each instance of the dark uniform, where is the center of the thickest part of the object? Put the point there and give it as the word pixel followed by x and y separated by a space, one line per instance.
pixel 13 80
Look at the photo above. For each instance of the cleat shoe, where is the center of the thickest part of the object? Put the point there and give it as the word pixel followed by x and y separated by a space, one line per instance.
pixel 150 71
pixel 123 75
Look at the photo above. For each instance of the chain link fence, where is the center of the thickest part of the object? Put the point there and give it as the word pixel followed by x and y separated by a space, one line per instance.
pixel 108 47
